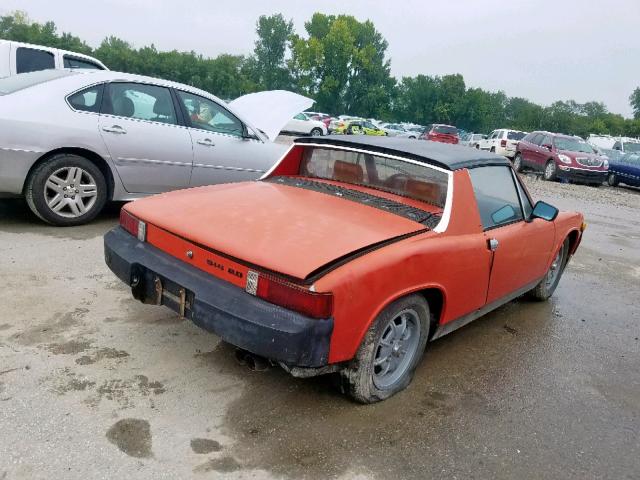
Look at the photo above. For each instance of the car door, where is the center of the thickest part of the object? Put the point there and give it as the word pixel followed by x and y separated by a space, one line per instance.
pixel 541 153
pixel 529 151
pixel 299 124
pixel 141 129
pixel 521 247
pixel 223 150
pixel 485 144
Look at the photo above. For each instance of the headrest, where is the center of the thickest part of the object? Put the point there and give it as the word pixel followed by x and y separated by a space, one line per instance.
pixel 425 191
pixel 123 107
pixel 347 172
pixel 163 107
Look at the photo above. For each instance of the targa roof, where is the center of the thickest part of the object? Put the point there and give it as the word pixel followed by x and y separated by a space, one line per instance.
pixel 450 157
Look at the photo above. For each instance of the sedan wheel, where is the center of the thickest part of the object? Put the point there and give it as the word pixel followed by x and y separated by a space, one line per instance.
pixel 389 352
pixel 550 171
pixel 316 132
pixel 612 180
pixel 517 163
pixel 548 284
pixel 66 190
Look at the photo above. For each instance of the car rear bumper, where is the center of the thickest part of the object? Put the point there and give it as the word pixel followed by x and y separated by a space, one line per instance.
pixel 582 175
pixel 237 317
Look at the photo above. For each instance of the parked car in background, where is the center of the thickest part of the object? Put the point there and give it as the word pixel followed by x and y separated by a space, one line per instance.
pixel 17 57
pixel 624 168
pixel 358 252
pixel 397 130
pixel 441 133
pixel 301 124
pixel 99 135
pixel 502 142
pixel 560 157
pixel 471 139
pixel 340 123
pixel 627 145
pixel 359 127
pixel 322 117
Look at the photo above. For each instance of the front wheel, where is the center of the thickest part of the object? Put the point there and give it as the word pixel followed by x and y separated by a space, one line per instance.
pixel 550 281
pixel 316 132
pixel 550 173
pixel 517 163
pixel 66 190
pixel 612 180
pixel 390 351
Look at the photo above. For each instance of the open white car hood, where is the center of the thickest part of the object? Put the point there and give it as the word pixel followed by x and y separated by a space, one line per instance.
pixel 271 110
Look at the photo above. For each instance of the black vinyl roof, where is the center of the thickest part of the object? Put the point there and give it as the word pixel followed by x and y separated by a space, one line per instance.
pixel 451 157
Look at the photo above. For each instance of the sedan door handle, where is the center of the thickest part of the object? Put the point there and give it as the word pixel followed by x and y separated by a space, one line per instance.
pixel 493 243
pixel 207 142
pixel 114 129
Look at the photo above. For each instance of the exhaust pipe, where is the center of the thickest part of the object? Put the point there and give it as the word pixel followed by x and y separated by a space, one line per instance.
pixel 255 363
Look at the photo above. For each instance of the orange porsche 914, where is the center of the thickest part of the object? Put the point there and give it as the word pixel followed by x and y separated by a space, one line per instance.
pixel 348 256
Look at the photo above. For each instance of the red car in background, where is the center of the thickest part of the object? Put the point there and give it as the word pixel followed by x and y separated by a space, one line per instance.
pixel 441 133
pixel 560 157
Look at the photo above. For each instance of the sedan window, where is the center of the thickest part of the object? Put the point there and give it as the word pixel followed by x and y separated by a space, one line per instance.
pixel 144 102
pixel 496 196
pixel 74 62
pixel 87 100
pixel 32 60
pixel 208 115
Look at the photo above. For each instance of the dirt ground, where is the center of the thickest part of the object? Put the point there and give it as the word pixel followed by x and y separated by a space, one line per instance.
pixel 96 385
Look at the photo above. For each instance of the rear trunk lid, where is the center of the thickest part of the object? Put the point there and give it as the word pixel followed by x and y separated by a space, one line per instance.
pixel 280 228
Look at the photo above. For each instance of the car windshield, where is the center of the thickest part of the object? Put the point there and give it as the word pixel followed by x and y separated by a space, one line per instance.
pixel 573 145
pixel 632 147
pixel 420 182
pixel 515 135
pixel 445 129
pixel 25 80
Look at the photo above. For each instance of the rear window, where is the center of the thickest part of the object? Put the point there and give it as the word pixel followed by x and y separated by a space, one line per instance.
pixel 420 182
pixel 445 129
pixel 25 80
pixel 515 135
pixel 75 62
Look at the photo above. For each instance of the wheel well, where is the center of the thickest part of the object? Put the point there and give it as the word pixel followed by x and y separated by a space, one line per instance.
pixel 435 299
pixel 93 157
pixel 573 240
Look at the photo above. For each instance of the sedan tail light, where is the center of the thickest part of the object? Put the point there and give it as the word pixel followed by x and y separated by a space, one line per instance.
pixel 134 226
pixel 289 295
pixel 503 143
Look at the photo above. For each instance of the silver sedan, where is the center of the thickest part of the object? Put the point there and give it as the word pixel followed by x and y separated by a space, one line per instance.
pixel 72 140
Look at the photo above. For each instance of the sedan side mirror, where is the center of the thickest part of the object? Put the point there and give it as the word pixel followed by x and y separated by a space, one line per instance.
pixel 545 211
pixel 547 146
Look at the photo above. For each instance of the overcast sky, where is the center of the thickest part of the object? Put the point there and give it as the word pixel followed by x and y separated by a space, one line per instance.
pixel 543 50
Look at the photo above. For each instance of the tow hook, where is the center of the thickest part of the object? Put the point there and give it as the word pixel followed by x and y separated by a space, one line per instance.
pixel 255 363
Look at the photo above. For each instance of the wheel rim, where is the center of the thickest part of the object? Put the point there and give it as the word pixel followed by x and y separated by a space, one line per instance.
pixel 396 348
pixel 516 162
pixel 315 133
pixel 612 179
pixel 556 267
pixel 550 169
pixel 70 192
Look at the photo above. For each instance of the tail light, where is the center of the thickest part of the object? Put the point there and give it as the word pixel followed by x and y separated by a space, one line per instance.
pixel 290 296
pixel 131 224
pixel 503 143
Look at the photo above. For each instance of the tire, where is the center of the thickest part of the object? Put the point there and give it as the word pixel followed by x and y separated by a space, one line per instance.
pixel 493 150
pixel 517 162
pixel 550 171
pixel 368 383
pixel 477 146
pixel 54 195
pixel 316 132
pixel 612 180
pixel 548 284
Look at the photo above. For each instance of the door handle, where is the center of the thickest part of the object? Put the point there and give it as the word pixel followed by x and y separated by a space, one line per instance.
pixel 493 243
pixel 207 142
pixel 114 129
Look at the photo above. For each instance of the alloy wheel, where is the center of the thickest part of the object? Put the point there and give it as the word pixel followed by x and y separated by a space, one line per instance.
pixel 70 192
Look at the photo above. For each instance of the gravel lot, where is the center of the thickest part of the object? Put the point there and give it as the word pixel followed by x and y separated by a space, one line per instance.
pixel 96 385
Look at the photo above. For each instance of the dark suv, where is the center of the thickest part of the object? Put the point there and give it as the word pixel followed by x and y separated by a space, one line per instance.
pixel 560 156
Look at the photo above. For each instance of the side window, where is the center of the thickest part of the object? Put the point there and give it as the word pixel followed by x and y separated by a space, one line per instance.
pixel 617 146
pixel 526 202
pixel 73 62
pixel 300 116
pixel 144 102
pixel 496 196
pixel 545 140
pixel 87 100
pixel 33 60
pixel 537 139
pixel 208 115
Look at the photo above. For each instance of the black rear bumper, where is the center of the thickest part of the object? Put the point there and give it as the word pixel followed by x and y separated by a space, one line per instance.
pixel 237 317
pixel 581 175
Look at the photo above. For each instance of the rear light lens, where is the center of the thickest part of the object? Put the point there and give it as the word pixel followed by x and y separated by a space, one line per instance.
pixel 131 224
pixel 503 143
pixel 290 296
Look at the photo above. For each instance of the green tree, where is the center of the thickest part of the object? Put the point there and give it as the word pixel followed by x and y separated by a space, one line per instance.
pixel 634 100
pixel 269 66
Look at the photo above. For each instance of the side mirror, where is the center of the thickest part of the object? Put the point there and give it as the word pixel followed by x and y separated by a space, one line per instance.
pixel 547 146
pixel 545 211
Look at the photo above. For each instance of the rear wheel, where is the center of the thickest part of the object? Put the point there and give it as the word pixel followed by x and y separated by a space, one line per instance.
pixel 548 284
pixel 390 351
pixel 550 173
pixel 517 162
pixel 612 180
pixel 316 132
pixel 66 190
